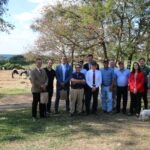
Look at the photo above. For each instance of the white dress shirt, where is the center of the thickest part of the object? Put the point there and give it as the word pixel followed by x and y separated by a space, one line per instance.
pixel 89 78
pixel 84 71
pixel 39 70
pixel 63 70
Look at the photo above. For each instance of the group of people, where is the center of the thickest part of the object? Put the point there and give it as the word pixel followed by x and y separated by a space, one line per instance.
pixel 82 86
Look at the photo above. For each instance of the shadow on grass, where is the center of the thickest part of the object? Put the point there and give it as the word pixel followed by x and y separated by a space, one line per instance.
pixel 18 125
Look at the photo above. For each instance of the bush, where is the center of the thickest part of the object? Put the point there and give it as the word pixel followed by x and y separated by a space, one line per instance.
pixel 3 61
pixel 18 59
pixel 9 66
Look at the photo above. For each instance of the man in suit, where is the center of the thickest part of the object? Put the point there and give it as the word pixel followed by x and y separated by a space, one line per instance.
pixel 93 80
pixel 39 82
pixel 88 65
pixel 63 76
pixel 51 75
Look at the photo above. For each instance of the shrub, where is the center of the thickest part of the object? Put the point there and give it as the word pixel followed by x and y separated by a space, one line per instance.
pixel 9 66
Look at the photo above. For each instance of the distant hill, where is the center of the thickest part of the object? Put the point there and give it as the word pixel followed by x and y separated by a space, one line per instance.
pixel 6 56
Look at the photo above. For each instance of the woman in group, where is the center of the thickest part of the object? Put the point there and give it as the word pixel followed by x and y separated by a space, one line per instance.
pixel 136 87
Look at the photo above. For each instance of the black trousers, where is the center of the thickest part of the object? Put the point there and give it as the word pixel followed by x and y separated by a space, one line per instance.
pixel 135 104
pixel 42 107
pixel 122 92
pixel 144 96
pixel 48 107
pixel 88 95
pixel 83 101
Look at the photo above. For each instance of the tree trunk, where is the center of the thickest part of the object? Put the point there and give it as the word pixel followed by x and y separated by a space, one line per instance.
pixel 129 61
pixel 72 57
pixel 104 49
pixel 117 57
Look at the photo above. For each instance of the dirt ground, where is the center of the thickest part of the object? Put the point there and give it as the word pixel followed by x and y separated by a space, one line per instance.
pixel 6 80
pixel 15 101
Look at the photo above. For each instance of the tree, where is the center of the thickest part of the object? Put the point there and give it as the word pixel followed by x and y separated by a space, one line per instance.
pixel 109 29
pixel 130 28
pixel 66 30
pixel 4 25
pixel 18 59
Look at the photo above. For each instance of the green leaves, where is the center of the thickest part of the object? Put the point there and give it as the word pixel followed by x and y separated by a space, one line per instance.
pixel 4 25
pixel 95 26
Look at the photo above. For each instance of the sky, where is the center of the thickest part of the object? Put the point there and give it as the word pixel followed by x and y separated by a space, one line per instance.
pixel 21 13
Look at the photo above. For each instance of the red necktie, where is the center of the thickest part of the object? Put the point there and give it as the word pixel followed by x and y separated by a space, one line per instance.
pixel 94 78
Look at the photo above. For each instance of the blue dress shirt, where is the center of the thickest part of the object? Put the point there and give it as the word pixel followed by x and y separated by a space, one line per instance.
pixel 121 77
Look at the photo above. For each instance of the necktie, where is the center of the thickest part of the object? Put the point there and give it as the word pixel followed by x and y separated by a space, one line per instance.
pixel 94 78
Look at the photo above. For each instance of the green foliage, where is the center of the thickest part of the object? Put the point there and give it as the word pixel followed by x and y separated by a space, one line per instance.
pixel 4 25
pixel 9 66
pixel 110 29
pixel 15 62
pixel 3 61
pixel 19 59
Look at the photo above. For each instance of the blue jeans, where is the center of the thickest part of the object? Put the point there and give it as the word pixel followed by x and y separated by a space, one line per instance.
pixel 106 98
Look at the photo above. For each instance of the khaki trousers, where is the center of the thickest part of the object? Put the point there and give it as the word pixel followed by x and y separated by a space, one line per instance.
pixel 76 97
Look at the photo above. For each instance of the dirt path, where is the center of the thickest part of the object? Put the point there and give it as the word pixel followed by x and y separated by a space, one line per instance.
pixel 15 102
pixel 7 84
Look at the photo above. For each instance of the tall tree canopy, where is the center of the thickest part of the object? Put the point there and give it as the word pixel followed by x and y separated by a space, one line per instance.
pixel 109 29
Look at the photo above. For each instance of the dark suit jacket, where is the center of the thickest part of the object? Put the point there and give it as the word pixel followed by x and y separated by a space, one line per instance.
pixel 86 66
pixel 59 76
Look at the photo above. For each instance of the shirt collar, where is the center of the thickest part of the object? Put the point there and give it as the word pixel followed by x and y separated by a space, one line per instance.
pixel 38 68
pixel 122 70
pixel 49 69
pixel 106 68
pixel 63 65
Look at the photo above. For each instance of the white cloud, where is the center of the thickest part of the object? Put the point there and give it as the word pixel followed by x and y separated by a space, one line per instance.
pixel 35 13
pixel 17 41
pixel 44 1
pixel 25 16
pixel 22 36
pixel 27 27
pixel 36 1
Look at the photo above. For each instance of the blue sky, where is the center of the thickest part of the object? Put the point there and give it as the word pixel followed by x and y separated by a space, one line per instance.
pixel 21 14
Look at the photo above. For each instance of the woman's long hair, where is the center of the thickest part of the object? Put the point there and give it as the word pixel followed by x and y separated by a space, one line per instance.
pixel 133 70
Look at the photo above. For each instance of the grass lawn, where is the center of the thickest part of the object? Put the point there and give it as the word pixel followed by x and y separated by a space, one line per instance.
pixel 61 132
pixel 13 91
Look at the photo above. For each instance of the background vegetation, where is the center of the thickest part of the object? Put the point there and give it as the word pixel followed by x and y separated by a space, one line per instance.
pixel 117 29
